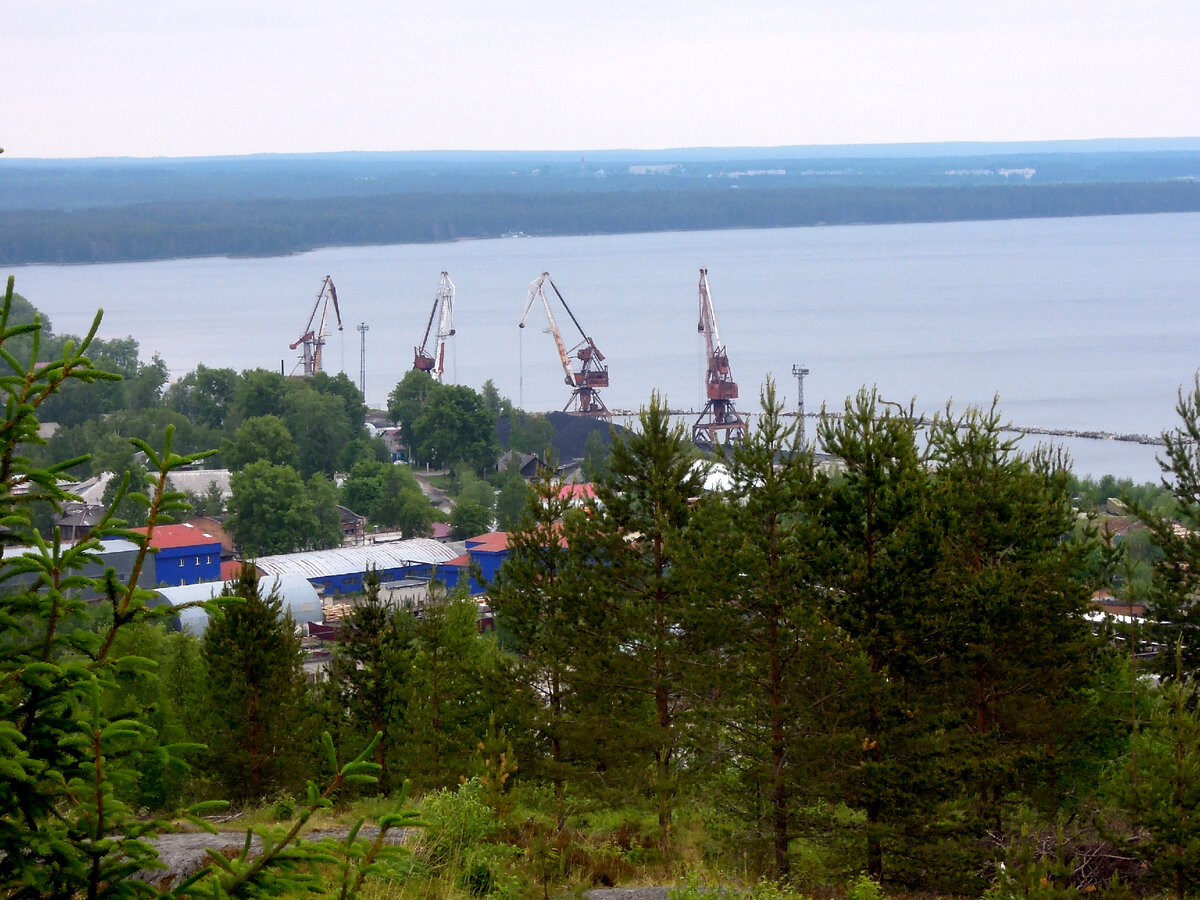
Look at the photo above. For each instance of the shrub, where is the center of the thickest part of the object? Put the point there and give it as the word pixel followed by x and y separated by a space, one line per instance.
pixel 455 822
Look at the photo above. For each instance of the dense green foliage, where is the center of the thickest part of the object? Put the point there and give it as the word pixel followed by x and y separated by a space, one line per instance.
pixel 469 519
pixel 254 712
pixel 772 642
pixel 272 511
pixel 389 496
pixel 455 426
pixel 903 636
pixel 88 734
pixel 880 666
pixel 422 678
pixel 65 754
pixel 1177 569
pixel 284 438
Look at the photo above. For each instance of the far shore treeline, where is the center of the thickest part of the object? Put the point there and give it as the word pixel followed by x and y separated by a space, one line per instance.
pixel 276 227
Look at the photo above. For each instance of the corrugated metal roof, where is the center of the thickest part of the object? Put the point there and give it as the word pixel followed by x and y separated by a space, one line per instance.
pixel 108 545
pixel 355 560
pixel 299 598
pixel 198 480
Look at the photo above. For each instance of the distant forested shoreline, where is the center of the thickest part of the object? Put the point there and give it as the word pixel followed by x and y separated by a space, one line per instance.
pixel 277 227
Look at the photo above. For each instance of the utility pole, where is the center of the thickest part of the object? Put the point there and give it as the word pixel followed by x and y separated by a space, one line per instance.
pixel 363 328
pixel 800 371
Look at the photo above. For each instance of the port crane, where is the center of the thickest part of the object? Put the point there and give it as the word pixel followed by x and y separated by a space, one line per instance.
pixel 313 340
pixel 719 423
pixel 591 374
pixel 443 312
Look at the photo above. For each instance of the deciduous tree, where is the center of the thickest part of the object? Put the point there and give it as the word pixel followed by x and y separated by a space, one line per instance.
pixel 407 400
pixel 468 520
pixel 204 395
pixel 271 511
pixel 454 424
pixel 260 438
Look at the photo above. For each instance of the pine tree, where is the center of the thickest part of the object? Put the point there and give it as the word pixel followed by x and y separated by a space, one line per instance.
pixel 755 566
pixel 643 512
pixel 1176 582
pixel 1163 798
pixel 1010 657
pixel 77 738
pixel 538 598
pixel 258 723
pixel 883 546
pixel 451 689
pixel 372 667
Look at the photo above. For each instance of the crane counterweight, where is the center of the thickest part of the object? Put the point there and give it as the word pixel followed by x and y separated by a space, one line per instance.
pixel 443 311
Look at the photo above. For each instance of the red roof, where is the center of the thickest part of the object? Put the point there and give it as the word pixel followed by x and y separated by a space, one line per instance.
pixel 577 492
pixel 492 542
pixel 458 561
pixel 179 536
pixel 231 570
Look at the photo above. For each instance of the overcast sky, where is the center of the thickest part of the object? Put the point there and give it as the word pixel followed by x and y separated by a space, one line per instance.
pixel 212 77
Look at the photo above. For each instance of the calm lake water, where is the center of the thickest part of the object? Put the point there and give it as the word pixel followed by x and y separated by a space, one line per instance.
pixel 1082 324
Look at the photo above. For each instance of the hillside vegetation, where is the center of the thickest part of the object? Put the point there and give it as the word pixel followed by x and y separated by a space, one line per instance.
pixel 872 677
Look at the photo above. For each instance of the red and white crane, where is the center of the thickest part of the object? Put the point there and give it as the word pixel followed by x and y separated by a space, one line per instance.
pixel 719 423
pixel 591 374
pixel 313 340
pixel 443 311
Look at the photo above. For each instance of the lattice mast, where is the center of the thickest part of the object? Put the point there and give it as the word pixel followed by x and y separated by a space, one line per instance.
pixel 800 371
pixel 719 423
pixel 591 373
pixel 312 340
pixel 363 328
pixel 434 361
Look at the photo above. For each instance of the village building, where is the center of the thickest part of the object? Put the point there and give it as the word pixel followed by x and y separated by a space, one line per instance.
pixel 184 554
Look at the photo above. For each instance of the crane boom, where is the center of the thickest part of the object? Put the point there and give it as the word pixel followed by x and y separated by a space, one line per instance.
pixel 537 292
pixel 313 340
pixel 719 418
pixel 721 385
pixel 591 374
pixel 443 311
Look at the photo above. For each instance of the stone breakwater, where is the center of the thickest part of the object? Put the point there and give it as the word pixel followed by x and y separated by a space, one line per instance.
pixel 925 421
